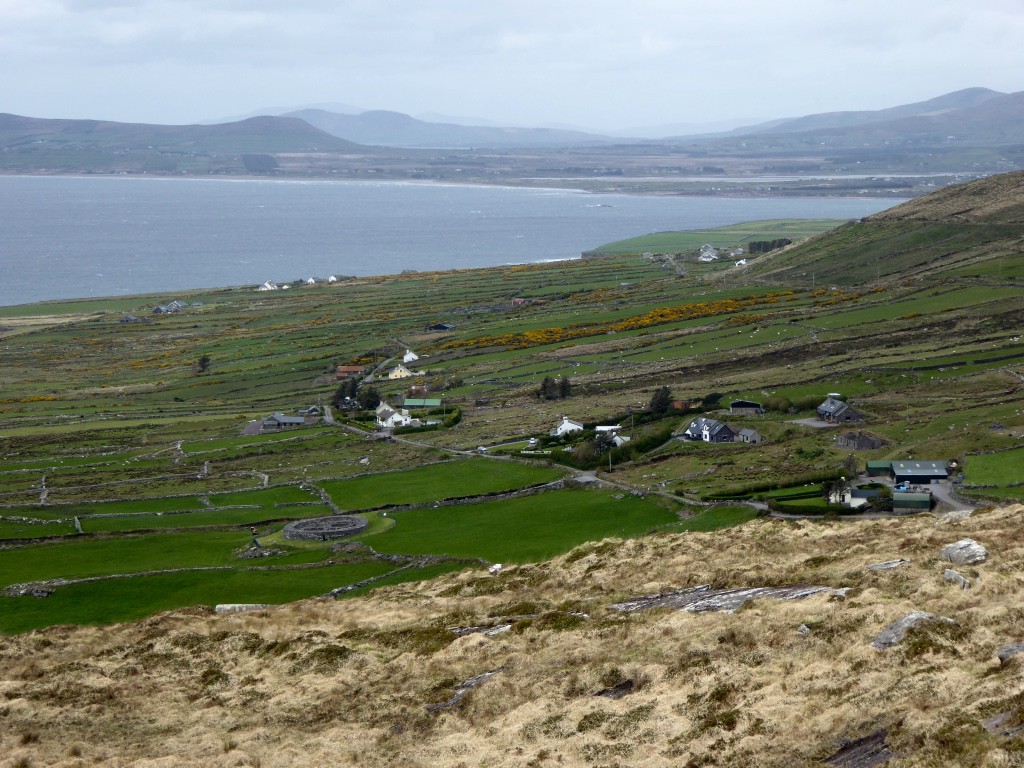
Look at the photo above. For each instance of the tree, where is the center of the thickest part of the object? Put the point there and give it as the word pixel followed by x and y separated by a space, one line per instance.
pixel 555 389
pixel 661 401
pixel 834 491
pixel 548 389
pixel 369 398
pixel 711 400
pixel 204 363
pixel 604 442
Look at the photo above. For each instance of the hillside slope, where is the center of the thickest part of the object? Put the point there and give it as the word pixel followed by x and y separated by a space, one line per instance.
pixel 970 230
pixel 561 677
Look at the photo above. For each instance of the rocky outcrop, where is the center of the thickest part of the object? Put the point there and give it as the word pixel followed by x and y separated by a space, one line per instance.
pixel 895 633
pixel 702 599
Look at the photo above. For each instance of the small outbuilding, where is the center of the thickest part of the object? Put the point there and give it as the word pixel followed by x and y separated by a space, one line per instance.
pixel 745 408
pixel 860 441
pixel 911 502
pixel 751 436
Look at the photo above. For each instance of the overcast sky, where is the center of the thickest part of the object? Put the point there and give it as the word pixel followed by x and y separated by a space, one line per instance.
pixel 601 64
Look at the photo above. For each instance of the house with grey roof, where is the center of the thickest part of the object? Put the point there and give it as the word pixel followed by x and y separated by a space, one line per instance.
pixel 837 412
pixel 709 431
pixel 751 436
pixel 280 421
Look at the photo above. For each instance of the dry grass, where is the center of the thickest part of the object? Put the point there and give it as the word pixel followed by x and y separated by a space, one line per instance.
pixel 322 682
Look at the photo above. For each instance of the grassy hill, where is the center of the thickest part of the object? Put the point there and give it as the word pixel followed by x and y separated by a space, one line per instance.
pixel 127 488
pixel 969 231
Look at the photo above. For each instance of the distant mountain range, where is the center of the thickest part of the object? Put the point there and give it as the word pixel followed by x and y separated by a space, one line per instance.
pixel 976 130
pixel 972 110
pixel 395 129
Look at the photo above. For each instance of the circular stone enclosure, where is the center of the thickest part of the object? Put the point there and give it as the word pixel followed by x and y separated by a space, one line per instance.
pixel 325 528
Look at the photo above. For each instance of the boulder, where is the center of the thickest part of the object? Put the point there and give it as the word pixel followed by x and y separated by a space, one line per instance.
pixel 956 578
pixel 965 552
pixel 895 632
pixel 1007 652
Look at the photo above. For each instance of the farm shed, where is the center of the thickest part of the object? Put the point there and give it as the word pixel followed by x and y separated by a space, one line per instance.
pixel 919 472
pixel 911 502
pixel 745 407
pixel 879 468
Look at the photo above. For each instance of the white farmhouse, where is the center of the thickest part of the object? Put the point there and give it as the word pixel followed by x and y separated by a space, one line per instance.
pixel 566 427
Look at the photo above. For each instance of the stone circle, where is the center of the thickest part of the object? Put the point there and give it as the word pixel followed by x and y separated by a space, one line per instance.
pixel 325 528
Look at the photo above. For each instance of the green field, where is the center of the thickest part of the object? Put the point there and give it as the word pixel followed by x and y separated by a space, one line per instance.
pixel 732 236
pixel 436 482
pixel 521 530
pixel 116 600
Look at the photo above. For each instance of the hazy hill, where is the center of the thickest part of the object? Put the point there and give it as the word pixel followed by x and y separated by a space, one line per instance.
pixel 967 98
pixel 34 144
pixel 987 120
pixel 255 134
pixel 395 129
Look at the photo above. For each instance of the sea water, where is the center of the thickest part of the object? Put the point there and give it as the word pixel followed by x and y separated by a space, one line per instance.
pixel 70 237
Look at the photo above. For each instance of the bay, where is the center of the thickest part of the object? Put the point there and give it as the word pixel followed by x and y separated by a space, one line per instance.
pixel 79 237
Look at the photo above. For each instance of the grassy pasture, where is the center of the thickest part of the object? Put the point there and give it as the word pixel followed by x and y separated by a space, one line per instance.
pixel 203 519
pixel 732 236
pixel 85 557
pixel 714 519
pixel 523 529
pixel 435 482
pixel 1001 468
pixel 116 600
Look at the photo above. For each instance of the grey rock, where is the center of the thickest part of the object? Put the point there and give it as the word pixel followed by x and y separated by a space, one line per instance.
pixel 865 752
pixel 895 633
pixel 462 690
pixel 952 517
pixel 965 552
pixel 617 691
pixel 956 578
pixel 240 607
pixel 888 565
pixel 1004 724
pixel 804 630
pixel 1007 652
pixel 703 599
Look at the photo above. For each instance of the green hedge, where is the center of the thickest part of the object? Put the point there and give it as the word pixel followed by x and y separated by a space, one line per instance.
pixel 746 491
